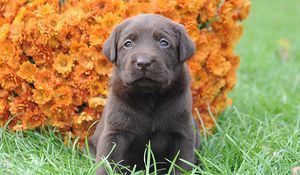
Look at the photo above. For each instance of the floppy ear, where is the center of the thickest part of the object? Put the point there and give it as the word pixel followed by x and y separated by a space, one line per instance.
pixel 109 48
pixel 186 48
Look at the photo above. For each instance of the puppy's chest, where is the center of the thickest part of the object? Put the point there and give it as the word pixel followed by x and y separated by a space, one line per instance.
pixel 158 119
pixel 156 114
pixel 159 123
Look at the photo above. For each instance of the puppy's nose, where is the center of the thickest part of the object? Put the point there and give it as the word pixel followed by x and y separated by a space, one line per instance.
pixel 143 63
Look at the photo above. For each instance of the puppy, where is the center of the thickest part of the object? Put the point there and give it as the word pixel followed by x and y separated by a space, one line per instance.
pixel 149 99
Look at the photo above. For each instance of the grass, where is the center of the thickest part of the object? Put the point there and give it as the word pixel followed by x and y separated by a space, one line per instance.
pixel 259 134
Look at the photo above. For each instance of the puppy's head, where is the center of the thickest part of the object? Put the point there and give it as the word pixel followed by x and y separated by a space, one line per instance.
pixel 148 51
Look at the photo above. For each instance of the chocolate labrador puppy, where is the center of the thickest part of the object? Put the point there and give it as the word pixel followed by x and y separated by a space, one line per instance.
pixel 149 99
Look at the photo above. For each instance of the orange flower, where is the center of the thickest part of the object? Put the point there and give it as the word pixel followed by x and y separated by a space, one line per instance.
pixel 134 8
pixel 218 65
pixel 29 48
pixel 82 54
pixel 97 87
pixel 23 89
pixel 46 108
pixel 4 112
pixel 41 96
pixel 16 28
pixel 230 79
pixel 83 117
pixel 33 119
pixel 200 77
pixel 4 29
pixel 53 42
pixel 163 6
pixel 3 93
pixel 210 90
pixel 61 116
pixel 97 35
pixel 108 20
pixel 37 3
pixel 27 71
pixel 190 5
pixel 103 66
pixel 80 96
pixel 208 12
pixel 45 11
pixel 8 50
pixel 3 107
pixel 9 81
pixel 97 102
pixel 63 96
pixel 21 105
pixel 45 79
pixel 10 9
pixel 63 63
pixel 51 67
pixel 41 55
pixel 81 77
pixel 87 116
pixel 73 17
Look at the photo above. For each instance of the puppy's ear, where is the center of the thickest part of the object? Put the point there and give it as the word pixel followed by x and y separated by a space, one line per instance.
pixel 110 46
pixel 186 47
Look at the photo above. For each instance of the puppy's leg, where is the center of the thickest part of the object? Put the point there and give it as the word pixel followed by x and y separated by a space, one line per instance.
pixel 185 144
pixel 92 144
pixel 94 139
pixel 106 143
pixel 197 136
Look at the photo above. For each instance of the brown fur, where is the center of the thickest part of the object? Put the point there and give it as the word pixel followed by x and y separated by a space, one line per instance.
pixel 149 97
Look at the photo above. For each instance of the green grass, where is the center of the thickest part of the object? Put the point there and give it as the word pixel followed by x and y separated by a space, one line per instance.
pixel 259 134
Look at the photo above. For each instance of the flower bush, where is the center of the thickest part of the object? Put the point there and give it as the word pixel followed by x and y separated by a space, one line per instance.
pixel 52 72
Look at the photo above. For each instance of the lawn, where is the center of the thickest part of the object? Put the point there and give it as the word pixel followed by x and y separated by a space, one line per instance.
pixel 259 134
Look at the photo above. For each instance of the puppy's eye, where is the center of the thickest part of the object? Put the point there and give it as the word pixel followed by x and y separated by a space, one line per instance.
pixel 128 44
pixel 164 43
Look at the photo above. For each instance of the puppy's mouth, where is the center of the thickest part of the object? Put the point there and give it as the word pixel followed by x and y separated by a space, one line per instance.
pixel 145 84
pixel 144 81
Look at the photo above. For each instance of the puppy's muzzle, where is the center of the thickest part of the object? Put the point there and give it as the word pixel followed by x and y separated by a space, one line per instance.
pixel 143 63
